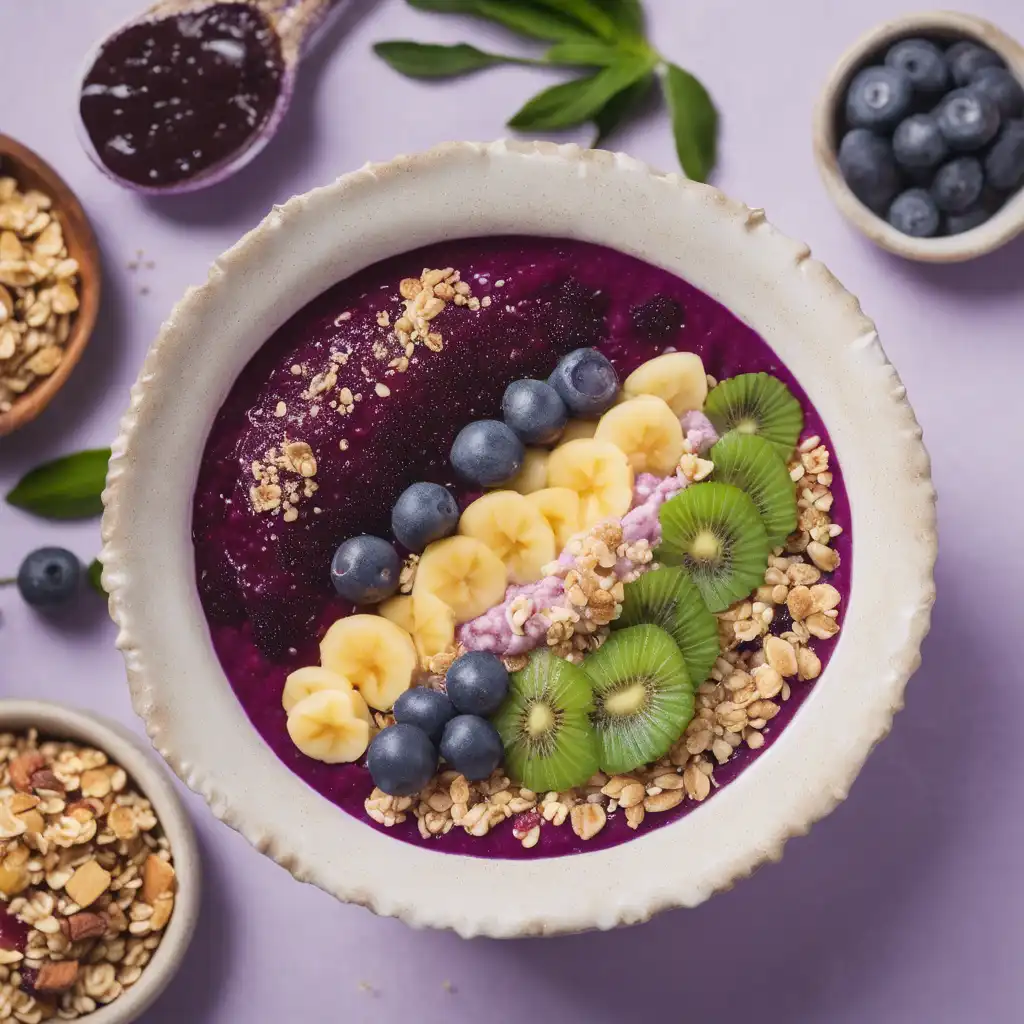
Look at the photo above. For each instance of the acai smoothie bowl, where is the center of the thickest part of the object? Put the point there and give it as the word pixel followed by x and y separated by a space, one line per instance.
pixel 513 539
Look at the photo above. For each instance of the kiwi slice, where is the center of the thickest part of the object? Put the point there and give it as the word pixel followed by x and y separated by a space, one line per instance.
pixel 668 598
pixel 544 725
pixel 643 698
pixel 715 533
pixel 756 403
pixel 754 465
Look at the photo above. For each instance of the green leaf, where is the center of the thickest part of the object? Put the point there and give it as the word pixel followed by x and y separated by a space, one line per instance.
pixel 618 109
pixel 588 13
pixel 585 53
pixel 628 15
pixel 68 488
pixel 694 122
pixel 527 20
pixel 425 60
pixel 577 101
pixel 94 574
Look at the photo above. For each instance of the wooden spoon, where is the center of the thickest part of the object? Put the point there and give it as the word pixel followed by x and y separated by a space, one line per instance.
pixel 297 24
pixel 32 172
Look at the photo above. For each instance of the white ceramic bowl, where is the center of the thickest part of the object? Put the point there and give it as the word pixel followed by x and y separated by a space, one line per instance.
pixel 464 189
pixel 1007 223
pixel 55 721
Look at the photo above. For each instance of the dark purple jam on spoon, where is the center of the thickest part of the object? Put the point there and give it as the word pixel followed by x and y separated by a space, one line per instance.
pixel 168 101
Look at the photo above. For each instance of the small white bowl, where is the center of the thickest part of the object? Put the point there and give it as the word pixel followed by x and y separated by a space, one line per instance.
pixel 489 189
pixel 55 721
pixel 1007 223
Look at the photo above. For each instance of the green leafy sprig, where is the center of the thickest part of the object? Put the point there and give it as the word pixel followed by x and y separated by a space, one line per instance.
pixel 70 487
pixel 605 37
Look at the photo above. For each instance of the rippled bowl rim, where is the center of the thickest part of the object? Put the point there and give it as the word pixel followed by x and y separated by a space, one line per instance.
pixel 456 190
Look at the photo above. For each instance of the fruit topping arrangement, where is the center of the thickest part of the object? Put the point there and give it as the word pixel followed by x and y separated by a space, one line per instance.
pixel 934 136
pixel 600 616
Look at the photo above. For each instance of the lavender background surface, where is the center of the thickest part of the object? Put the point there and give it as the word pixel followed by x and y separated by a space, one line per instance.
pixel 903 906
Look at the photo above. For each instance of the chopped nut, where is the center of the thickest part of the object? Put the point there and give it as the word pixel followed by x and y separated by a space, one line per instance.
pixel 84 925
pixel 825 558
pixel 22 769
pixel 56 976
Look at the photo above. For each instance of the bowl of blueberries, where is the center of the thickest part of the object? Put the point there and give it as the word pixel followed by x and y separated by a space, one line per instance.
pixel 919 136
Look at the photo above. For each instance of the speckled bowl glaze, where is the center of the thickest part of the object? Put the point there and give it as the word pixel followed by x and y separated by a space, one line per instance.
pixel 55 721
pixel 1007 223
pixel 467 189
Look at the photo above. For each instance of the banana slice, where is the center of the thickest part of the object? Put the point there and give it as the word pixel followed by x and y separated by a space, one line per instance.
pixel 677 378
pixel 648 431
pixel 561 508
pixel 399 611
pixel 534 474
pixel 433 625
pixel 576 430
pixel 464 573
pixel 328 727
pixel 599 473
pixel 514 530
pixel 377 656
pixel 305 681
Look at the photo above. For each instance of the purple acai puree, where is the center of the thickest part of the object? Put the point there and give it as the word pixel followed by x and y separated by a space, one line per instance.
pixel 265 585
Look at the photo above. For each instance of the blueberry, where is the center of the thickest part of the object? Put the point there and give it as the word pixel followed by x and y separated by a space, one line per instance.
pixel 487 453
pixel 1001 87
pixel 968 120
pixel 658 318
pixel 49 577
pixel 878 97
pixel 867 164
pixel 918 144
pixel 477 683
pixel 958 184
pixel 586 381
pixel 471 746
pixel 966 57
pixel 1004 165
pixel 426 709
pixel 914 213
pixel 534 410
pixel 958 223
pixel 424 513
pixel 922 62
pixel 365 570
pixel 401 759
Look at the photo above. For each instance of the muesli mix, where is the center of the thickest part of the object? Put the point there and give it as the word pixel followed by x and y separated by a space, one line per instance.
pixel 39 290
pixel 87 880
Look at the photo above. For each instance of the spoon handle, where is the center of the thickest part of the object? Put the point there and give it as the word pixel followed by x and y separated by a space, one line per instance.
pixel 297 21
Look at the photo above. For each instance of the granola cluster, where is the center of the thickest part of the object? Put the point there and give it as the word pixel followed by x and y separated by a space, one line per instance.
pixel 39 290
pixel 86 873
pixel 284 477
pixel 751 680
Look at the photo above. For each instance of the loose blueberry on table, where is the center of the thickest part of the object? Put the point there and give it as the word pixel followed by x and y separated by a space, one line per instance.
pixel 933 137
pixel 580 534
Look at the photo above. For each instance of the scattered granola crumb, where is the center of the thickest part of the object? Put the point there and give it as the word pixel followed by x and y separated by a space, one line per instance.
pixel 281 410
pixel 382 390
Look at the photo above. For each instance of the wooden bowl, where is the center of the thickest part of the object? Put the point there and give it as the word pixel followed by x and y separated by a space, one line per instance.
pixel 32 172
pixel 1004 226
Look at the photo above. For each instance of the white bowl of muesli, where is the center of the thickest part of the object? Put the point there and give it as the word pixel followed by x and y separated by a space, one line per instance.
pixel 485 518
pixel 99 871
